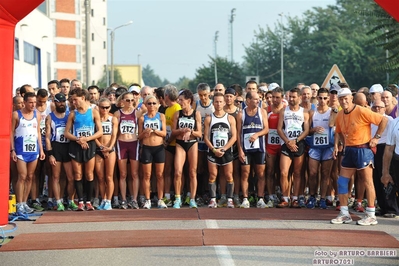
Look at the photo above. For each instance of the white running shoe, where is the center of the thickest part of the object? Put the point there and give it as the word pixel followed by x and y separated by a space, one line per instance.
pixel 342 219
pixel 245 204
pixel 147 204
pixel 261 204
pixel 212 204
pixel 230 203
pixel 368 220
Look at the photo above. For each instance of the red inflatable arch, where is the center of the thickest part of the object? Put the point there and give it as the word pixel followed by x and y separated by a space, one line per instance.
pixel 11 12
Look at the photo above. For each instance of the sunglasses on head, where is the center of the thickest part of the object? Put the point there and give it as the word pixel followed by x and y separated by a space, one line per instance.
pixel 129 100
pixel 151 103
pixel 322 98
pixel 105 107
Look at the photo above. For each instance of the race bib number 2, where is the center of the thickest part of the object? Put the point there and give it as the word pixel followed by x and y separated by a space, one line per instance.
pixel 250 145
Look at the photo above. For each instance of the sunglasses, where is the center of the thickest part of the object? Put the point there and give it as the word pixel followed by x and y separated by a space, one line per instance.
pixel 237 101
pixel 129 100
pixel 322 98
pixel 105 107
pixel 152 103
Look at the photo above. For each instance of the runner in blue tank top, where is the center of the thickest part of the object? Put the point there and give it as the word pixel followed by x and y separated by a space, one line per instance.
pixel 85 125
pixel 26 148
pixel 252 126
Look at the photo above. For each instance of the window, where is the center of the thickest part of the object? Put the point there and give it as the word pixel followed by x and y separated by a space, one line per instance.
pixel 30 53
pixel 79 74
pixel 78 54
pixel 77 7
pixel 16 49
pixel 92 12
pixel 77 29
pixel 43 8
pixel 105 45
pixel 92 36
pixel 49 66
pixel 93 61
pixel 104 22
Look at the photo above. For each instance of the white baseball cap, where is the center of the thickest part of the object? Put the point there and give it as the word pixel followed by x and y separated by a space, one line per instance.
pixel 376 88
pixel 272 86
pixel 344 92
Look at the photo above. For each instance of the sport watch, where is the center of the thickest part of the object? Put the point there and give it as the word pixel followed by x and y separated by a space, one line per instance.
pixel 377 136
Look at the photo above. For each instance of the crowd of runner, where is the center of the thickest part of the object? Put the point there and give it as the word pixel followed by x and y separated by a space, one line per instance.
pixel 131 147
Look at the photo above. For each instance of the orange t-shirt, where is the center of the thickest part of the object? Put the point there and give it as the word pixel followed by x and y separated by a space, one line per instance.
pixel 355 126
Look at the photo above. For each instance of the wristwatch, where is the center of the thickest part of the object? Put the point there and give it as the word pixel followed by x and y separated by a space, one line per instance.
pixel 377 136
pixel 335 110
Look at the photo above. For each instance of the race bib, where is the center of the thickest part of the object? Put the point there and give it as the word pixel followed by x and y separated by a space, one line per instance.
pixel 59 135
pixel 107 127
pixel 127 127
pixel 43 127
pixel 320 139
pixel 272 137
pixel 83 133
pixel 294 131
pixel 186 123
pixel 30 144
pixel 220 139
pixel 153 124
pixel 250 145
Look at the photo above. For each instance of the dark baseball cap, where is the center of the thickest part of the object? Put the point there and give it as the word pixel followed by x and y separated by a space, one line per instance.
pixel 230 91
pixel 59 97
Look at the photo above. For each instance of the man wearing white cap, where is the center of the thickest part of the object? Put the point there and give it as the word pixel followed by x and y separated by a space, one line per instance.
pixel 376 90
pixel 354 130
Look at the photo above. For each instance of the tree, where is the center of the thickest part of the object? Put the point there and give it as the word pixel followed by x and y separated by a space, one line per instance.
pixel 151 79
pixel 312 44
pixel 227 73
pixel 102 82
pixel 182 83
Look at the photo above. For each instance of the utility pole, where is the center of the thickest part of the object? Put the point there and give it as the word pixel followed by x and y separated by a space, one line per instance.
pixel 216 55
pixel 282 51
pixel 232 15
pixel 88 42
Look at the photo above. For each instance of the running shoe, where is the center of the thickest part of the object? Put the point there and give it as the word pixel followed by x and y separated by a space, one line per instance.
pixel 193 204
pixel 261 204
pixel 323 204
pixel 147 204
pixel 342 219
pixel 177 203
pixel 162 205
pixel 89 207
pixel 390 215
pixel 295 204
pixel 270 203
pixel 359 207
pixel 37 206
pixel 123 205
pixel 301 202
pixel 222 202
pixel 72 206
pixel 283 204
pixel 351 203
pixel 115 204
pixel 168 202
pixel 107 206
pixel 50 205
pixel 245 204
pixel 200 202
pixel 329 202
pixel 311 203
pixel 60 207
pixel 252 200
pixel 27 209
pixel 212 204
pixel 20 209
pixel 96 203
pixel 187 200
pixel 101 207
pixel 368 220
pixel 230 203
pixel 237 202
pixel 135 205
pixel 81 206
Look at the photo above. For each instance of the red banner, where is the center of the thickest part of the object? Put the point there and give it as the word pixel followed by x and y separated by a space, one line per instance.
pixel 390 6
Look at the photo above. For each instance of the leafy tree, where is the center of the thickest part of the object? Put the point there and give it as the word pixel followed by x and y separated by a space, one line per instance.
pixel 182 83
pixel 151 79
pixel 312 44
pixel 102 82
pixel 227 73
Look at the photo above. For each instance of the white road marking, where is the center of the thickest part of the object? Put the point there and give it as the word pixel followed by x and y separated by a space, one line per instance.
pixel 222 252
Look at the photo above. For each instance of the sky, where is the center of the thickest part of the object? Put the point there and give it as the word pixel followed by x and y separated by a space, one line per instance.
pixel 177 37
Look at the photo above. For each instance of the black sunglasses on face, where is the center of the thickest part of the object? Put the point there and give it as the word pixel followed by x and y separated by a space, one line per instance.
pixel 152 103
pixel 105 107
pixel 237 101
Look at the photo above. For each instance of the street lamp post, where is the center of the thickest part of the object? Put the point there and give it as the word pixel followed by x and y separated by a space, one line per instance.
pixel 112 48
pixel 232 15
pixel 282 50
pixel 216 55
pixel 138 69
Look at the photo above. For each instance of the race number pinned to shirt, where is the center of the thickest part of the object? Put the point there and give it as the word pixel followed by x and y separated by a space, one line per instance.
pixel 60 137
pixel 29 144
pixel 320 139
pixel 220 139
pixel 273 137
pixel 248 145
pixel 107 127
pixel 127 127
